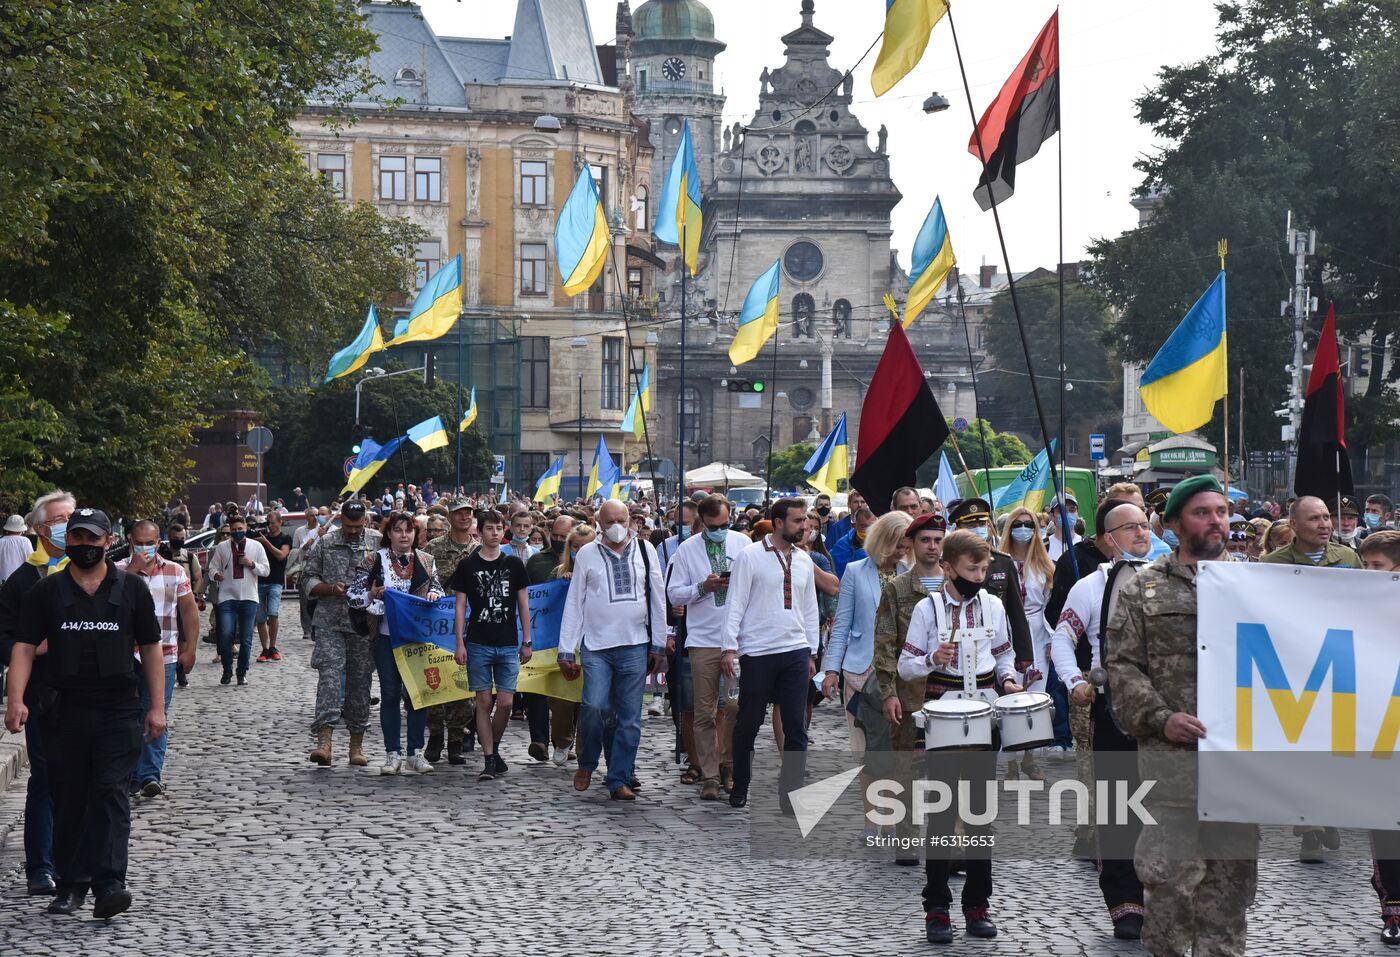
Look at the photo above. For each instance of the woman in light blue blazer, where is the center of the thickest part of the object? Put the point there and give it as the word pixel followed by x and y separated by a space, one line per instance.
pixel 851 651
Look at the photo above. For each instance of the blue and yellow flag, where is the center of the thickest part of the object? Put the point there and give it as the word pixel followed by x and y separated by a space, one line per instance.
pixel 424 642
pixel 639 406
pixel 367 343
pixel 469 416
pixel 370 460
pixel 908 24
pixel 437 307
pixel 1188 374
pixel 581 236
pixel 758 319
pixel 429 434
pixel 1028 488
pixel 933 260
pixel 678 212
pixel 548 485
pixel 831 462
pixel 605 476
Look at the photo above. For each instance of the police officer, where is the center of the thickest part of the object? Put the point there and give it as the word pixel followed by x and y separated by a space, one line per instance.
pixel 92 615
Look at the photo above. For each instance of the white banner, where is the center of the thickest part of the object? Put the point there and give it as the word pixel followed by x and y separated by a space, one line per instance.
pixel 1298 686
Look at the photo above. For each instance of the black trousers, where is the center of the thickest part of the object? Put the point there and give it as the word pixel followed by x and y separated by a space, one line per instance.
pixel 978 768
pixel 92 754
pixel 1385 876
pixel 1118 879
pixel 537 716
pixel 784 678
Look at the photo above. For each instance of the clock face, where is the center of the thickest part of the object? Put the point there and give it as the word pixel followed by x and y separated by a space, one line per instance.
pixel 803 261
pixel 673 68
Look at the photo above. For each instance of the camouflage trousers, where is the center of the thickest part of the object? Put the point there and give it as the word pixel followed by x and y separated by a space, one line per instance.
pixel 458 718
pixel 1081 729
pixel 1196 905
pixel 345 667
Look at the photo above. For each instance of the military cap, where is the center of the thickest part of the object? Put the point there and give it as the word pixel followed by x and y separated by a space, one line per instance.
pixel 1187 489
pixel 1157 498
pixel 931 521
pixel 1346 505
pixel 1246 527
pixel 457 504
pixel 970 510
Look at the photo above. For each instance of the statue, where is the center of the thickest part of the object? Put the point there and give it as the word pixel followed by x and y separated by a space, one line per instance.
pixel 727 138
pixel 763 81
pixel 884 136
pixel 848 84
pixel 738 132
pixel 802 156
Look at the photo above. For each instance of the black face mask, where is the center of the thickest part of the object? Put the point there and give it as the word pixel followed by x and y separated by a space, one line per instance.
pixel 85 556
pixel 177 543
pixel 556 546
pixel 239 536
pixel 823 510
pixel 968 590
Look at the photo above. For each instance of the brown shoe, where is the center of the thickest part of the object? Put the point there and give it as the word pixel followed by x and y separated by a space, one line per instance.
pixel 582 779
pixel 709 791
pixel 623 793
pixel 321 754
pixel 357 750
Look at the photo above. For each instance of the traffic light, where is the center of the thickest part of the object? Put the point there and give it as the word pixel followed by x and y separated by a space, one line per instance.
pixel 357 435
pixel 746 385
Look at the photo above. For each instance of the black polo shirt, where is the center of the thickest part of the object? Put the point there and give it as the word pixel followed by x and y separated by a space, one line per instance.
pixel 91 638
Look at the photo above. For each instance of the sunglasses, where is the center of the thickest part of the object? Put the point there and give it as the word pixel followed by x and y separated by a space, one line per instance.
pixel 1023 525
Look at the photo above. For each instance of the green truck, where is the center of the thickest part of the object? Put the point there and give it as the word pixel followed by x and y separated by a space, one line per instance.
pixel 1082 483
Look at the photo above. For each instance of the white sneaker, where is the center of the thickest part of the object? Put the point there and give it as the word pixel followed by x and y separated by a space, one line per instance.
pixel 654 708
pixel 393 763
pixel 417 763
pixel 561 757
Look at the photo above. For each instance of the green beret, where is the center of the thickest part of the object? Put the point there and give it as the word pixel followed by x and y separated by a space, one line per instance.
pixel 1185 490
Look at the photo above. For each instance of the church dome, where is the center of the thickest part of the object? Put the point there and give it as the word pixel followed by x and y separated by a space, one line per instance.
pixel 673 20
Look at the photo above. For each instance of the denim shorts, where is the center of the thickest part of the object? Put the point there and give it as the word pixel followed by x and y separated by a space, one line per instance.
pixel 269 601
pixel 489 665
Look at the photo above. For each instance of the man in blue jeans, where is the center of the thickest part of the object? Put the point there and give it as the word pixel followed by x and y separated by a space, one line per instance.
pixel 616 611
pixel 237 564
pixel 177 614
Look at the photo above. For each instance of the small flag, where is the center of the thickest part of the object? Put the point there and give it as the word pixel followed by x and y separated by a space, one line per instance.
pixel 678 212
pixel 548 485
pixel 946 488
pixel 1024 115
pixel 1324 465
pixel 1186 377
pixel 437 307
pixel 1028 488
pixel 933 260
pixel 429 434
pixel 639 406
pixel 605 475
pixel 469 416
pixel 758 319
pixel 370 460
pixel 581 236
pixel 367 343
pixel 908 24
pixel 831 462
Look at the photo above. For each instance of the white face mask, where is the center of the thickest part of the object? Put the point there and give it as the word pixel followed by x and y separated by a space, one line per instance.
pixel 616 533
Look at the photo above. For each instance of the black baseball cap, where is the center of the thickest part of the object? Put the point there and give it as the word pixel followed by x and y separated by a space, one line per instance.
pixel 93 519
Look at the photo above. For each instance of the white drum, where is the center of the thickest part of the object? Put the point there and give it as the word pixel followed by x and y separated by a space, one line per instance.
pixel 1025 720
pixel 956 724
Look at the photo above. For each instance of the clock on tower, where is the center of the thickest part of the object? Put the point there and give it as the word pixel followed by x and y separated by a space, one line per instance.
pixel 673 68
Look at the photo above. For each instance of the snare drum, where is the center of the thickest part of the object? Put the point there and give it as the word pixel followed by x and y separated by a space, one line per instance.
pixel 956 724
pixel 1025 720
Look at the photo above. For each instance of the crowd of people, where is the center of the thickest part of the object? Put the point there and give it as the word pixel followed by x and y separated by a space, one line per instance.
pixel 787 606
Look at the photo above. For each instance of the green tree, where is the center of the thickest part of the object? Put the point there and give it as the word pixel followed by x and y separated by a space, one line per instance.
pixel 789 472
pixel 981 446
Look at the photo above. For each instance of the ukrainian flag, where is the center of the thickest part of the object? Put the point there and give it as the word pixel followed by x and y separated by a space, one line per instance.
pixel 933 260
pixel 831 462
pixel 548 486
pixel 437 307
pixel 429 434
pixel 639 406
pixel 908 24
pixel 370 460
pixel 470 416
pixel 605 475
pixel 1026 489
pixel 1188 374
pixel 367 343
pixel 678 212
pixel 581 236
pixel 758 319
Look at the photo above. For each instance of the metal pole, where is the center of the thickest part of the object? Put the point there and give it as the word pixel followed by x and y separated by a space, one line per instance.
pixel 680 438
pixel 1298 245
pixel 580 435
pixel 461 409
pixel 772 417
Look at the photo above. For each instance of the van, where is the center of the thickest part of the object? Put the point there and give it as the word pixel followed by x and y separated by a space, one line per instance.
pixel 1082 484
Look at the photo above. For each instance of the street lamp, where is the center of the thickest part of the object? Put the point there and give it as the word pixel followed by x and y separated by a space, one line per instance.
pixel 936 103
pixel 579 342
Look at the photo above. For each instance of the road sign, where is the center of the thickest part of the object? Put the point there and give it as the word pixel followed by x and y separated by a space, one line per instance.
pixel 498 470
pixel 1096 447
pixel 1126 464
pixel 258 440
pixel 960 424
pixel 349 464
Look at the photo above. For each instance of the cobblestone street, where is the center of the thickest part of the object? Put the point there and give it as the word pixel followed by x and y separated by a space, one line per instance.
pixel 255 851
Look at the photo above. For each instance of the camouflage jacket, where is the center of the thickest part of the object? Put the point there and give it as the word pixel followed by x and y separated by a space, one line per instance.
pixel 897 601
pixel 1335 555
pixel 447 554
pixel 1151 667
pixel 334 562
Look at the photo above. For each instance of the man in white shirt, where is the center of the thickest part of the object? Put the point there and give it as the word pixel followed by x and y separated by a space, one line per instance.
pixel 699 580
pixel 237 564
pixel 616 609
pixel 1055 544
pixel 770 645
pixel 14 547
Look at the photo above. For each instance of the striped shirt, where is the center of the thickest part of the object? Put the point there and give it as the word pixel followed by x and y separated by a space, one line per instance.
pixel 168 582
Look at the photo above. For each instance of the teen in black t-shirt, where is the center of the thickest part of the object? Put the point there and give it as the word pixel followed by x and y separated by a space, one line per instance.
pixel 492 588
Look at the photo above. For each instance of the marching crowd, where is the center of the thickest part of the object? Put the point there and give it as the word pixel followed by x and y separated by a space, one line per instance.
pixel 787 606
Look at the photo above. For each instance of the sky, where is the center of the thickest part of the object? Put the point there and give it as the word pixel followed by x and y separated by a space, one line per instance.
pixel 1110 53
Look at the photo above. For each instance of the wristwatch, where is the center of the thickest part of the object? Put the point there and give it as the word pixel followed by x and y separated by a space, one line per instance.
pixel 525 644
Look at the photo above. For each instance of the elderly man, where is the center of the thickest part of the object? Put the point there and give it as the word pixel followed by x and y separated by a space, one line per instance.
pixel 616 609
pixel 1312 534
pixel 906 500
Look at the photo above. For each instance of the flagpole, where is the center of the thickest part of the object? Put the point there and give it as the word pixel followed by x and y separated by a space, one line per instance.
pixel 967 471
pixel 641 409
pixel 976 397
pixel 1220 249
pixel 1055 480
pixel 680 433
pixel 461 409
pixel 772 417
pixel 1060 270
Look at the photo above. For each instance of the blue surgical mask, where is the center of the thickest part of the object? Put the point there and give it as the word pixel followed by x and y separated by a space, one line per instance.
pixel 58 534
pixel 1022 535
pixel 1372 520
pixel 981 532
pixel 682 533
pixel 1169 537
pixel 717 535
pixel 321 519
pixel 148 551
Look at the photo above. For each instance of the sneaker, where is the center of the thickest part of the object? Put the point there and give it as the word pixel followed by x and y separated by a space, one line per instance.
pixel 262 657
pixel 938 929
pixel 274 654
pixel 488 768
pixel 226 678
pixel 561 757
pixel 417 763
pixel 1390 933
pixel 977 923
pixel 539 751
pixel 500 764
pixel 152 788
pixel 654 708
pixel 393 763
pixel 242 679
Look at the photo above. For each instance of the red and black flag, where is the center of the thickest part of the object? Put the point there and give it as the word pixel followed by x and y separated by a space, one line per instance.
pixel 900 424
pixel 1324 468
pixel 1025 114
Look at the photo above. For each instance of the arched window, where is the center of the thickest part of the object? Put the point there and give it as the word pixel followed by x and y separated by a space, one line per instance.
pixel 640 205
pixel 841 318
pixel 760 451
pixel 688 415
pixel 804 308
pixel 805 126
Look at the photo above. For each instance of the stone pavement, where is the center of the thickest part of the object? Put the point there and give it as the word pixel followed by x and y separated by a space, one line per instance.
pixel 255 851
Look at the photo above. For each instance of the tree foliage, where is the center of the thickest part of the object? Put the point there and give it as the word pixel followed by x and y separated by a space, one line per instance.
pixel 157 229
pixel 789 472
pixel 982 446
pixel 1295 111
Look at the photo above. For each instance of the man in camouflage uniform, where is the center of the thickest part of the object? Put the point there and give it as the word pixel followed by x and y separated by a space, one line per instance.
pixel 459 717
pixel 342 655
pixel 1193 903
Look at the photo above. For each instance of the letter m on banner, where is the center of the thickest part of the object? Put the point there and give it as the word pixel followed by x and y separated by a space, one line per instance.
pixel 1254 649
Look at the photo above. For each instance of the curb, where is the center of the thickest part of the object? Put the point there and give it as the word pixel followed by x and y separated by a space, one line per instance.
pixel 13 758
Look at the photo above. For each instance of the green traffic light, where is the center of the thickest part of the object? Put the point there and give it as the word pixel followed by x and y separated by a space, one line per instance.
pixel 758 386
pixel 355 448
